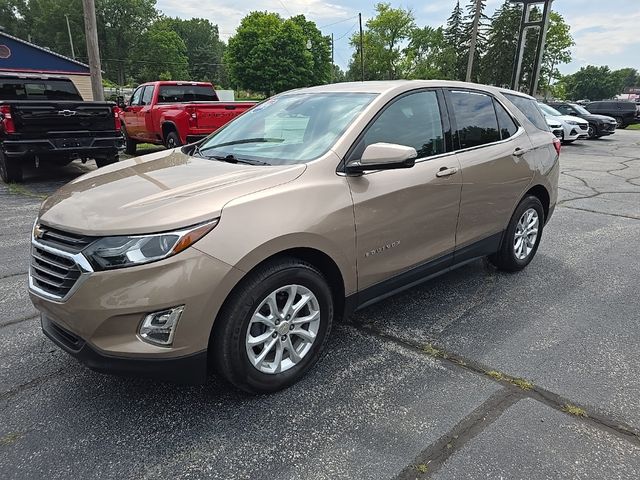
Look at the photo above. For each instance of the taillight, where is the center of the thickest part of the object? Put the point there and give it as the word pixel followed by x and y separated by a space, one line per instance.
pixel 557 145
pixel 116 117
pixel 193 116
pixel 6 120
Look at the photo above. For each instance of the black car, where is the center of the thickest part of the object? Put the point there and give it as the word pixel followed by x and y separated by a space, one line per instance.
pixel 599 125
pixel 625 113
pixel 44 119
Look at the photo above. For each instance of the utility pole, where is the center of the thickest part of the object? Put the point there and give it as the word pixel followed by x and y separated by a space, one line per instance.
pixel 332 64
pixel 93 51
pixel 361 47
pixel 474 39
pixel 73 53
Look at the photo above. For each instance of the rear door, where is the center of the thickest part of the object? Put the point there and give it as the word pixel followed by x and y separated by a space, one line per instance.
pixel 406 217
pixel 493 151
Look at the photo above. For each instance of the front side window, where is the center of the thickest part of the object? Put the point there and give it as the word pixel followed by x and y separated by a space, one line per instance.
pixel 529 107
pixel 137 95
pixel 287 129
pixel 476 120
pixel 413 121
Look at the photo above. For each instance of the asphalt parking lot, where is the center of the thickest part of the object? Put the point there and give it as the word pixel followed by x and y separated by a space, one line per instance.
pixel 474 375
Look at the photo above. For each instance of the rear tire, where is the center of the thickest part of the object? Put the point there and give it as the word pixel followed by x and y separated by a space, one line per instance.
pixel 10 169
pixel 108 160
pixel 130 144
pixel 233 348
pixel 172 140
pixel 513 255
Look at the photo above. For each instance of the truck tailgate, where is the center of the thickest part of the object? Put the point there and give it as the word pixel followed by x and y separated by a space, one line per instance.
pixel 45 117
pixel 213 115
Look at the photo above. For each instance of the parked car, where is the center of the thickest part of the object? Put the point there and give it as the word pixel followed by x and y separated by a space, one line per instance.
pixel 44 119
pixel 573 128
pixel 555 126
pixel 175 113
pixel 240 251
pixel 625 113
pixel 599 125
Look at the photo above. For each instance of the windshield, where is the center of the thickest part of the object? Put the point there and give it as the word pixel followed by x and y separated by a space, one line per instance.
pixel 287 129
pixel 580 109
pixel 547 110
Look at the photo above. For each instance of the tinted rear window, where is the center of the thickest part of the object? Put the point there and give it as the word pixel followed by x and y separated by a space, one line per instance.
pixel 186 93
pixel 508 127
pixel 475 119
pixel 530 109
pixel 35 89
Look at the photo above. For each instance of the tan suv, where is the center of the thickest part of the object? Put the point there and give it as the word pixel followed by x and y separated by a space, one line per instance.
pixel 239 252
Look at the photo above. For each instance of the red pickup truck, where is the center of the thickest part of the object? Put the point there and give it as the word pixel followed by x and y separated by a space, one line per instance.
pixel 173 113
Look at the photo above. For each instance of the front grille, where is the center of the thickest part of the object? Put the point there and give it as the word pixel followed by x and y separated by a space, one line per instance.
pixel 584 126
pixel 54 274
pixel 70 242
pixel 558 133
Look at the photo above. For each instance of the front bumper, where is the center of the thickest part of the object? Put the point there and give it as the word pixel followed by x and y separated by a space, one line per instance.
pixel 101 317
pixel 188 369
pixel 71 145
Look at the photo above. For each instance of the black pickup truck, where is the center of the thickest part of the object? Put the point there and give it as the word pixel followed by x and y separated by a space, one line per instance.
pixel 44 119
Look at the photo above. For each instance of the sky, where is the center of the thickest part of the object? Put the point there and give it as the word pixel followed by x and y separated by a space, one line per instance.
pixel 605 32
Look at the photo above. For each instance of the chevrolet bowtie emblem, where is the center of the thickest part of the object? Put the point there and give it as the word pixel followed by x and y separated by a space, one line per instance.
pixel 67 113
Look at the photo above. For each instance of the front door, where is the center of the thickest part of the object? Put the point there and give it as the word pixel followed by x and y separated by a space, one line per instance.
pixel 406 217
pixel 131 113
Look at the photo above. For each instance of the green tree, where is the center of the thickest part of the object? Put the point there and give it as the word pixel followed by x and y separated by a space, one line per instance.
pixel 502 41
pixel 429 56
pixel 557 50
pixel 592 82
pixel 464 47
pixel 10 18
pixel 162 56
pixel 204 47
pixel 453 34
pixel 320 48
pixel 269 55
pixel 625 78
pixel 383 40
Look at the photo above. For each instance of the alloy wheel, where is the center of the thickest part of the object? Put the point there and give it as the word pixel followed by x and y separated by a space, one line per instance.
pixel 283 329
pixel 526 234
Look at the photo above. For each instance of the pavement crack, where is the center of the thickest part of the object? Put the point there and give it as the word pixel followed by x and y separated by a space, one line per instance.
pixel 431 459
pixel 19 320
pixel 11 275
pixel 36 382
pixel 601 213
pixel 519 385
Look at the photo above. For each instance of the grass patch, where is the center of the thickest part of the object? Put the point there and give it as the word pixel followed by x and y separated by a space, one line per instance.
pixel 18 189
pixel 574 410
pixel 10 438
pixel 433 351
pixel 516 381
pixel 422 468
pixel 634 127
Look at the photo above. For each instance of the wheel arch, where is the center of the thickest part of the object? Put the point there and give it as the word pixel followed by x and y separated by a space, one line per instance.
pixel 541 193
pixel 167 127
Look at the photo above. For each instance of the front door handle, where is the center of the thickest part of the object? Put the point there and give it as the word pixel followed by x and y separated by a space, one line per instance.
pixel 446 171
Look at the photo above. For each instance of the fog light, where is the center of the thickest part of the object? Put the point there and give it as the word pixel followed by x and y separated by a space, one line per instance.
pixel 159 327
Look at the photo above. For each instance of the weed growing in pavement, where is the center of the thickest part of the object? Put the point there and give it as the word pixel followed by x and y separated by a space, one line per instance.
pixel 422 468
pixel 17 189
pixel 574 410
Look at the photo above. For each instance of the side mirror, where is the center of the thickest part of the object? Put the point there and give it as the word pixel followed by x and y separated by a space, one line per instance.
pixel 120 102
pixel 384 156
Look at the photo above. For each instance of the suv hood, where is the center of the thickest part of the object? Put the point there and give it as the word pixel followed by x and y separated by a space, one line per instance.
pixel 567 118
pixel 599 118
pixel 155 193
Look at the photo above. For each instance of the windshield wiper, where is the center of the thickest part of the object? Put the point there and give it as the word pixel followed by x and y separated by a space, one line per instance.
pixel 233 159
pixel 246 140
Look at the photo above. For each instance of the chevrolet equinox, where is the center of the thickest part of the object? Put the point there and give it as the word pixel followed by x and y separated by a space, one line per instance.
pixel 238 252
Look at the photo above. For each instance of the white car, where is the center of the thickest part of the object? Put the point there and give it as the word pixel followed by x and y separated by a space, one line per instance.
pixel 574 128
pixel 555 126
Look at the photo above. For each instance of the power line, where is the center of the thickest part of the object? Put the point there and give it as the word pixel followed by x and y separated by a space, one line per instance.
pixel 285 7
pixel 339 21
pixel 347 32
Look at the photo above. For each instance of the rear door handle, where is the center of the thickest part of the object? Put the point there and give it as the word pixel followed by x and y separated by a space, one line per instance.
pixel 446 171
pixel 518 152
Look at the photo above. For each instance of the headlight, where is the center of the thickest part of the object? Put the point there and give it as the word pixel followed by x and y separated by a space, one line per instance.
pixel 571 122
pixel 126 251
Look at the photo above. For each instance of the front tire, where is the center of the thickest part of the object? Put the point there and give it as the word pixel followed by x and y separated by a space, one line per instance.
pixel 273 327
pixel 173 140
pixel 593 131
pixel 522 237
pixel 10 169
pixel 130 145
